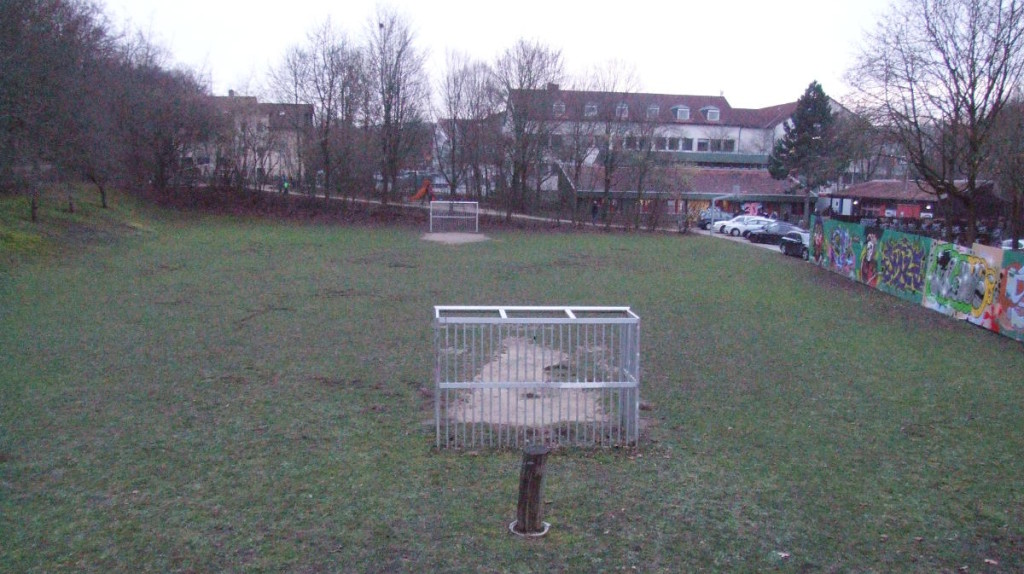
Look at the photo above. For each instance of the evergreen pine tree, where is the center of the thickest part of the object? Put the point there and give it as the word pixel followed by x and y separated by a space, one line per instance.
pixel 811 150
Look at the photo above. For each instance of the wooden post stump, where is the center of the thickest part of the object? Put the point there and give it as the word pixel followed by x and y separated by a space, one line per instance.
pixel 530 511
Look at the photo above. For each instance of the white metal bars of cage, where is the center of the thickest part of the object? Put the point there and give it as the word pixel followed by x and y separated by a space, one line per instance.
pixel 507 376
pixel 454 216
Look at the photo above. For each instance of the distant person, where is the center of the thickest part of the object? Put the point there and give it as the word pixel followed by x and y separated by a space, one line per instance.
pixel 594 211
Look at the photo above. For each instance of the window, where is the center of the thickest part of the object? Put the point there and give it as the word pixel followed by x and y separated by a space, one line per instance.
pixel 723 145
pixel 711 114
pixel 558 109
pixel 622 111
pixel 673 144
pixel 590 110
pixel 556 141
pixel 681 112
pixel 727 146
pixel 703 144
pixel 661 144
pixel 630 143
pixel 687 144
pixel 652 111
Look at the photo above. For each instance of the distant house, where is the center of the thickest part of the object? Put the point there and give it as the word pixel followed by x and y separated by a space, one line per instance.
pixel 905 199
pixel 701 130
pixel 255 143
pixel 724 149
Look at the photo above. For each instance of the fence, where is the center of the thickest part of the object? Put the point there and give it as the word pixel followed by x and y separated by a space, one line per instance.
pixel 982 285
pixel 452 216
pixel 510 376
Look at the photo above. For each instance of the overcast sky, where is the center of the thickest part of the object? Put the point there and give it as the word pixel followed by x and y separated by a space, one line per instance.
pixel 756 53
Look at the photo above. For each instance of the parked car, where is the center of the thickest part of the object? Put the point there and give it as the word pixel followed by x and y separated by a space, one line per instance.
pixel 772 233
pixel 743 224
pixel 796 243
pixel 1008 244
pixel 709 217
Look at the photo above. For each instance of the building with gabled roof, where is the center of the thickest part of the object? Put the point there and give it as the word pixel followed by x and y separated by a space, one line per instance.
pixel 255 143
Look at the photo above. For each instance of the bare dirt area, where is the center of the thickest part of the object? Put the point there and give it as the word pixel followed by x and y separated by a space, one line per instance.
pixel 522 360
pixel 454 238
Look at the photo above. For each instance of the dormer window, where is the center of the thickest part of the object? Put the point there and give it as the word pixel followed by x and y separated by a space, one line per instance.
pixel 590 110
pixel 622 111
pixel 652 111
pixel 681 112
pixel 711 113
pixel 558 109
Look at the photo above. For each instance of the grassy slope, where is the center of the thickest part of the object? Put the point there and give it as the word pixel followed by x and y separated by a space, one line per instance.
pixel 221 394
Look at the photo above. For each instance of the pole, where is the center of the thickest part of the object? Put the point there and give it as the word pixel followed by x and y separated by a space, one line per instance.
pixel 530 511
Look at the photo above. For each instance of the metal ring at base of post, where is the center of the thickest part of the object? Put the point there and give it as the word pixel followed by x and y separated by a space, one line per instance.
pixel 512 528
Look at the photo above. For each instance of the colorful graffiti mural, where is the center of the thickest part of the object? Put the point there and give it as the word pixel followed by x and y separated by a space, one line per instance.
pixel 842 247
pixel 867 264
pixel 817 255
pixel 958 282
pixel 982 285
pixel 1011 296
pixel 901 265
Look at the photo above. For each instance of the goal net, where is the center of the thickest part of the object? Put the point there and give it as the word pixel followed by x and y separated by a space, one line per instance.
pixel 454 216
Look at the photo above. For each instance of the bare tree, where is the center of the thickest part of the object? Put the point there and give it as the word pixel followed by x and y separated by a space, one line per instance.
pixel 618 81
pixel 287 83
pixel 328 73
pixel 452 132
pixel 399 92
pixel 1007 154
pixel 579 144
pixel 523 73
pixel 643 165
pixel 938 74
pixel 464 131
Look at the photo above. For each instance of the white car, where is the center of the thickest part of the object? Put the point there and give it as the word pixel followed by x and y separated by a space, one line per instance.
pixel 720 225
pixel 742 225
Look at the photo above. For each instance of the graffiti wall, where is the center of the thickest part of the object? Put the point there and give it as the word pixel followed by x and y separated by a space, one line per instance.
pixel 837 246
pixel 901 264
pixel 1011 296
pixel 982 285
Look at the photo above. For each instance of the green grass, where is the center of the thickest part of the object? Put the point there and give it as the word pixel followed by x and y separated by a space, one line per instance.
pixel 215 394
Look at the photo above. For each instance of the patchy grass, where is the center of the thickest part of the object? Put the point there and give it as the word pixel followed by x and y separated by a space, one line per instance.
pixel 223 394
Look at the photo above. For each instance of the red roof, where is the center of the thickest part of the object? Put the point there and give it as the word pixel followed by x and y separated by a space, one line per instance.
pixel 540 105
pixel 737 181
pixel 689 179
pixel 889 189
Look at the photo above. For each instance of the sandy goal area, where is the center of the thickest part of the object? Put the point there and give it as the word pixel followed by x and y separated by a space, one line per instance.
pixel 523 361
pixel 454 238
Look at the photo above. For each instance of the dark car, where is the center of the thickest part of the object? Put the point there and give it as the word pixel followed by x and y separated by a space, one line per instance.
pixel 709 217
pixel 772 233
pixel 796 243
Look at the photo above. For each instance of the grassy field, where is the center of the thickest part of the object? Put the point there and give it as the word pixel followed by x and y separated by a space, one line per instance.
pixel 189 393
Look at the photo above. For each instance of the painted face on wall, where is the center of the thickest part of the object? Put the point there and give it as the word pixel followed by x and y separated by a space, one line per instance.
pixel 818 240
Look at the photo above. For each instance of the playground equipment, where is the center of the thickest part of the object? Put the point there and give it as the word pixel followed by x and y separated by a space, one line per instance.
pixel 510 376
pixel 455 216
pixel 425 189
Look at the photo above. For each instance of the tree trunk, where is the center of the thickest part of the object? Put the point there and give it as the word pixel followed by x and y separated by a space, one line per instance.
pixel 530 511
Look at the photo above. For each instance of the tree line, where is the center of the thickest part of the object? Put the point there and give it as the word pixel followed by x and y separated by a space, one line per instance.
pixel 936 88
pixel 81 103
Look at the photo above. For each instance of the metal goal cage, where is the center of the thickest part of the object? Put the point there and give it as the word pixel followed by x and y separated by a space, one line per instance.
pixel 509 376
pixel 454 216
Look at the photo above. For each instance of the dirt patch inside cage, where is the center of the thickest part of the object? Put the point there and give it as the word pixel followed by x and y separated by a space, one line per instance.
pixel 521 360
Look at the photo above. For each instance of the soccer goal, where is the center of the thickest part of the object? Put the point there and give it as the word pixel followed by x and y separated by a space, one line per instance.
pixel 454 216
